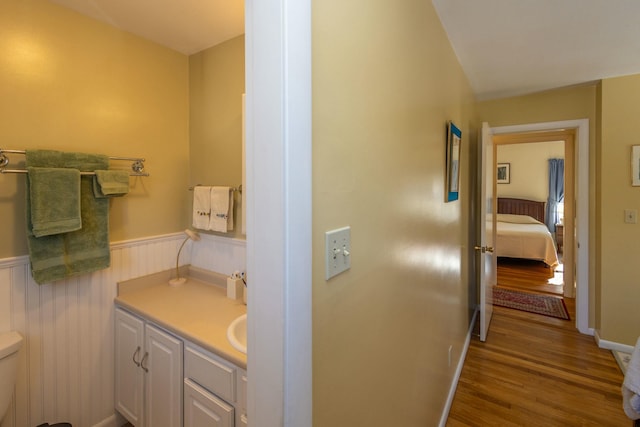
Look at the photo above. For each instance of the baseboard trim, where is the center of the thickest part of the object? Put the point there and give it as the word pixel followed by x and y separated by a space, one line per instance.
pixel 456 377
pixel 112 421
pixel 611 345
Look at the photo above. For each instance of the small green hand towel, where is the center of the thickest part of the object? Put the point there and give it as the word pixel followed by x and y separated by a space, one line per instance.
pixel 55 200
pixel 110 183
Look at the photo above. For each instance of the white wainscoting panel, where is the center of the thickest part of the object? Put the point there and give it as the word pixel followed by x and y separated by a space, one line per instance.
pixel 220 254
pixel 66 369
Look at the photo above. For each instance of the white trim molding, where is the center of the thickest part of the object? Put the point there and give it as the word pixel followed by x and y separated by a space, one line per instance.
pixel 456 377
pixel 13 261
pixel 278 165
pixel 611 345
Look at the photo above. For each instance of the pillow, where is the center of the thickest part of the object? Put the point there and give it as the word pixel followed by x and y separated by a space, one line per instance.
pixel 517 219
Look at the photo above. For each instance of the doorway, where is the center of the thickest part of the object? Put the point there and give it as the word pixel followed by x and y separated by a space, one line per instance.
pixel 538 267
pixel 580 214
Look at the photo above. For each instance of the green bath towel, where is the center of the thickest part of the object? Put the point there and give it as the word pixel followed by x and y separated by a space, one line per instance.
pixel 55 200
pixel 111 183
pixel 82 251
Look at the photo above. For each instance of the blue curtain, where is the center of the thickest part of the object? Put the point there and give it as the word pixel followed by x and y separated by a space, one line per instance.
pixel 556 192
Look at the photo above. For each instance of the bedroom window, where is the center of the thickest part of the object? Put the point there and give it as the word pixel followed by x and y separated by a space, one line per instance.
pixel 560 212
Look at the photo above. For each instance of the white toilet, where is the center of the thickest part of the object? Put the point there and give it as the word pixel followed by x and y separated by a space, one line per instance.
pixel 10 343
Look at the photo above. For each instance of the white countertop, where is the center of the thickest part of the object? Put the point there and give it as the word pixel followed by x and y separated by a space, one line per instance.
pixel 198 311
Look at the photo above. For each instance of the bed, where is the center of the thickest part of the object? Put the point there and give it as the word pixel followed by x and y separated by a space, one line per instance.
pixel 521 232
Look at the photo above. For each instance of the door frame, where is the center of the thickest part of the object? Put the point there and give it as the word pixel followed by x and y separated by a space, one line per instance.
pixel 582 207
pixel 567 137
pixel 278 176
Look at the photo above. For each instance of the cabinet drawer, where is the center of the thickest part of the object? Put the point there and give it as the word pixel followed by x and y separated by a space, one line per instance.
pixel 203 409
pixel 211 372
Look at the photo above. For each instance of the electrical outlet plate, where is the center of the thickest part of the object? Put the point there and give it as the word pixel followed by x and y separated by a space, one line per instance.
pixel 630 216
pixel 337 251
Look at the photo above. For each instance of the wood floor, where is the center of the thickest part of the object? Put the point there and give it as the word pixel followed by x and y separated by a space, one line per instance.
pixel 530 276
pixel 535 370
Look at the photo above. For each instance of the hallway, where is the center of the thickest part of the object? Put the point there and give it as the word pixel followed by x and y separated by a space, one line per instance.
pixel 537 371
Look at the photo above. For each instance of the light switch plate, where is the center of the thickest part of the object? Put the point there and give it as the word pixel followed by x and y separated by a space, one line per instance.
pixel 337 251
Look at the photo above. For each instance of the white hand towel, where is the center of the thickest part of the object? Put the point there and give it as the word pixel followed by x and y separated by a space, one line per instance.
pixel 201 207
pixel 631 385
pixel 230 219
pixel 221 209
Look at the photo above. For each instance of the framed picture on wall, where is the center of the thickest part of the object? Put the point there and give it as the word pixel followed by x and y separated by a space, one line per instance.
pixel 503 173
pixel 635 165
pixel 454 139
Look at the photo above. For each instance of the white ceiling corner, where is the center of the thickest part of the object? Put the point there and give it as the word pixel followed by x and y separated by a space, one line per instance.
pixel 513 47
pixel 187 26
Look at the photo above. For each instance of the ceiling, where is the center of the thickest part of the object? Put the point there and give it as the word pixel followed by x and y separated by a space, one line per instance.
pixel 506 47
pixel 513 47
pixel 187 26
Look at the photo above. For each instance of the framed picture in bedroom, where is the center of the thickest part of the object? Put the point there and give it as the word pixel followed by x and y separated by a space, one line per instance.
pixel 635 165
pixel 503 173
pixel 454 139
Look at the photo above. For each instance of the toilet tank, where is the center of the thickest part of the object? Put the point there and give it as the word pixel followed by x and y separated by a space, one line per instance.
pixel 10 343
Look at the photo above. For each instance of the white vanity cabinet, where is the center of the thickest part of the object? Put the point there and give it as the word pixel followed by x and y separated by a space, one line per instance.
pixel 164 380
pixel 148 368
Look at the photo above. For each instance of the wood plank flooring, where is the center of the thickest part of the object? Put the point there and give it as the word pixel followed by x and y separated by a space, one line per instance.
pixel 535 370
pixel 530 276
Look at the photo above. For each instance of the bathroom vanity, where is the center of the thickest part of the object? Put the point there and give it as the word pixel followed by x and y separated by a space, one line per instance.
pixel 173 363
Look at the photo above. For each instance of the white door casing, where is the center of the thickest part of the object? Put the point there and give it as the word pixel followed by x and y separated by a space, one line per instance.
pixel 278 191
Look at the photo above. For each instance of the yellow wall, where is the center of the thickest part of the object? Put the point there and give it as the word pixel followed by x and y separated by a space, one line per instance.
pixel 529 166
pixel 71 83
pixel 572 103
pixel 216 81
pixel 620 242
pixel 385 82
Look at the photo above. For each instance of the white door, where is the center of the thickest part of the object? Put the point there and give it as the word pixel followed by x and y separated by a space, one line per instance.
pixel 129 349
pixel 163 382
pixel 488 260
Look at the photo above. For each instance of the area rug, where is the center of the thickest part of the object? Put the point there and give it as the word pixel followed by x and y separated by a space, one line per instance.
pixel 547 305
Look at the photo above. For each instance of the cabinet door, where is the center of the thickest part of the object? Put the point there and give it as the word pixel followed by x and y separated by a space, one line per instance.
pixel 129 380
pixel 203 409
pixel 163 367
pixel 241 405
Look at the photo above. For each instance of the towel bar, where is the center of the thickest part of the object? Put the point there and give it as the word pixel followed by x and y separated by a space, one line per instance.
pixel 137 167
pixel 238 189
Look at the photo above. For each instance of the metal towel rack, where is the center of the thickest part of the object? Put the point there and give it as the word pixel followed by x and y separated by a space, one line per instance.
pixel 234 189
pixel 137 167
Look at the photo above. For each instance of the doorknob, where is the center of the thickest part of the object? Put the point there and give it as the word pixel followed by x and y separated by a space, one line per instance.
pixel 489 249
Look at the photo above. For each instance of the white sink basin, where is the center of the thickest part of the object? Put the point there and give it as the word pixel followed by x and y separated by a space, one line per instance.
pixel 237 334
